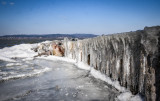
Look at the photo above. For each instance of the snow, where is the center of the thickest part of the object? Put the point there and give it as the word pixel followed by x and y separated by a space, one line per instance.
pixel 6 59
pixel 56 58
pixel 45 42
pixel 103 77
pixel 127 96
pixel 136 98
pixel 81 65
pixel 10 55
pixel 13 64
pixel 17 51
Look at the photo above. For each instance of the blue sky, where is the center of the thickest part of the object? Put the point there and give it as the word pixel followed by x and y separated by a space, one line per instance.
pixel 77 16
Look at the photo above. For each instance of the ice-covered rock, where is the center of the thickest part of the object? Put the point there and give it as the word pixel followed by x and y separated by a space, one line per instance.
pixel 57 49
pixel 132 58
pixel 50 48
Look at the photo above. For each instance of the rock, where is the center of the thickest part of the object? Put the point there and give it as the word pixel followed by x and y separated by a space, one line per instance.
pixel 35 49
pixel 58 50
pixel 51 48
pixel 131 58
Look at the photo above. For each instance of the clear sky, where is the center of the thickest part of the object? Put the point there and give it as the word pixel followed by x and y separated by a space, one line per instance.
pixel 77 16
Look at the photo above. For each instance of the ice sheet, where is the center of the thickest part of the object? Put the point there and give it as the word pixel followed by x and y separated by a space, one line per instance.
pixel 126 95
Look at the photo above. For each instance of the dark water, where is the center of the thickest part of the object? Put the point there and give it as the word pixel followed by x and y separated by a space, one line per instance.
pixel 12 42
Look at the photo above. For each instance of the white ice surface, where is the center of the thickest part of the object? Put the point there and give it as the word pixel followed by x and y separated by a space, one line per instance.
pixel 99 75
pixel 34 72
pixel 20 51
pixel 126 95
pixel 56 58
pixel 13 64
pixel 45 42
pixel 6 59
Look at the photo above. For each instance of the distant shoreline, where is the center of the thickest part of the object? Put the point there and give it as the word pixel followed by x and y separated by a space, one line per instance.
pixel 50 36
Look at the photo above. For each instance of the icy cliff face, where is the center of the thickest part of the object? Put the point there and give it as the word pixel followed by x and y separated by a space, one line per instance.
pixel 131 58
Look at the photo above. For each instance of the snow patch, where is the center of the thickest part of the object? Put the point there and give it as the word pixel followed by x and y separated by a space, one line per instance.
pixel 6 59
pixel 56 58
pixel 45 42
pixel 81 65
pixel 127 96
pixel 17 51
pixel 13 64
pixel 136 98
pixel 103 77
pixel 29 58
